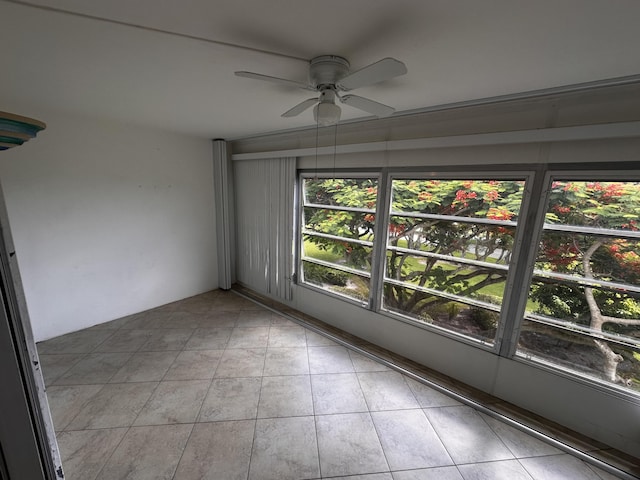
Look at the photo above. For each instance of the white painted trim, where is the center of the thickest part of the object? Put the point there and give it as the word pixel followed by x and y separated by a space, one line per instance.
pixel 542 135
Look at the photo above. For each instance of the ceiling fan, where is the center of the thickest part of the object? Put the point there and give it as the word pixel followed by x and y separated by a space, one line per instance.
pixel 329 75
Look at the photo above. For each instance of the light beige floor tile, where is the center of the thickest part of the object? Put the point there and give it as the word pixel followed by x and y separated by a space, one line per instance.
pixel 83 341
pixel 270 384
pixel 287 336
pixel 409 441
pixel 189 320
pixel 466 436
pixel 282 321
pixel 174 402
pixel 348 445
pixel 288 396
pixel 220 319
pixel 502 470
pixel 65 402
pixel 53 366
pixel 366 364
pixel 194 365
pixel 147 453
pixel 116 405
pixel 430 397
pixel 437 473
pixel 231 399
pixel 603 474
pixel 386 391
pixel 241 362
pixel 558 467
pixel 217 451
pixel 145 367
pixel 209 339
pixel 114 324
pixel 84 452
pixel 286 361
pixel 149 320
pixel 249 337
pixel 520 444
pixel 197 306
pixel 284 448
pixel 254 318
pixel 329 360
pixel 125 341
pixel 337 393
pixel 167 339
pixel 94 368
pixel 316 340
pixel 233 302
pixel 371 476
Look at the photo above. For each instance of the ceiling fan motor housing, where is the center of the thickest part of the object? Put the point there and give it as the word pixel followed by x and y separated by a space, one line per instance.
pixel 327 70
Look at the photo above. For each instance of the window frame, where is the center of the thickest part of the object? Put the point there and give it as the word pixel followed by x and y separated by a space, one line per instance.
pixel 527 175
pixel 538 179
pixel 562 173
pixel 300 232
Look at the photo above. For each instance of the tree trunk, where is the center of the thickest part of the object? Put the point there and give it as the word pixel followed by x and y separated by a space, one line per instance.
pixel 611 359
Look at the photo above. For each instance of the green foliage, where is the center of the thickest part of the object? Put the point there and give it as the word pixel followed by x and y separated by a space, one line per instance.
pixel 594 204
pixel 355 193
pixel 485 319
pixel 320 275
pixel 490 199
pixel 601 205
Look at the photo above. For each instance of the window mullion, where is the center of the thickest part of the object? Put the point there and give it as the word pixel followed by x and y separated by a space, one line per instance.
pixel 378 257
pixel 527 236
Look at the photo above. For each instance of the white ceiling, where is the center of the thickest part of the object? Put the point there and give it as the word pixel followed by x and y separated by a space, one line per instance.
pixel 169 63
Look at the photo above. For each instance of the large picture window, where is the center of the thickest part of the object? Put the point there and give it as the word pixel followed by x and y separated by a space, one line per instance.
pixel 448 248
pixel 553 280
pixel 584 309
pixel 338 221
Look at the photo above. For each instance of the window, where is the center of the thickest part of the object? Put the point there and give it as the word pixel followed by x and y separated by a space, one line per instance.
pixel 584 301
pixel 338 221
pixel 448 248
pixel 452 256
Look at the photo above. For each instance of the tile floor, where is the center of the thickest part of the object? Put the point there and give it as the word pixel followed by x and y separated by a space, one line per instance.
pixel 217 387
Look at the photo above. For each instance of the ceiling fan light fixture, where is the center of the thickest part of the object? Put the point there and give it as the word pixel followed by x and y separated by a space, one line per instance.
pixel 326 114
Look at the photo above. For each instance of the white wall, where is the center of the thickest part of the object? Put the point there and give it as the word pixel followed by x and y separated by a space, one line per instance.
pixel 108 220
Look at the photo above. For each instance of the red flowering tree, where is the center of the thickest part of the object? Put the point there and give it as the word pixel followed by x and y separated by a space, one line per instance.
pixel 436 230
pixel 474 220
pixel 349 193
pixel 598 252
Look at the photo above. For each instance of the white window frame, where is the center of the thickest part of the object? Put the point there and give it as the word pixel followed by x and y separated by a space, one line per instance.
pixel 301 204
pixel 559 174
pixel 525 175
pixel 531 218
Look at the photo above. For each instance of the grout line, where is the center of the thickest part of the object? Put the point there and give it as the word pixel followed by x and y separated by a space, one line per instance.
pixel 313 404
pixel 193 427
pixel 461 398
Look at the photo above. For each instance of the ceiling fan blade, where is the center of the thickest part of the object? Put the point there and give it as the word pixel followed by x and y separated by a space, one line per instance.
pixel 279 81
pixel 380 71
pixel 375 108
pixel 301 107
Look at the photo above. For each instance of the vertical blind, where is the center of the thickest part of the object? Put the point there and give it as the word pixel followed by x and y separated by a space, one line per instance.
pixel 264 224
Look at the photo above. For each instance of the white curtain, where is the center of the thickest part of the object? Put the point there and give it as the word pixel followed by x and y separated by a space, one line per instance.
pixel 264 224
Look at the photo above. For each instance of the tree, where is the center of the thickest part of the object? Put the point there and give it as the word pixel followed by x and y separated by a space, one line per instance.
pixel 598 205
pixel 451 224
pixel 446 237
